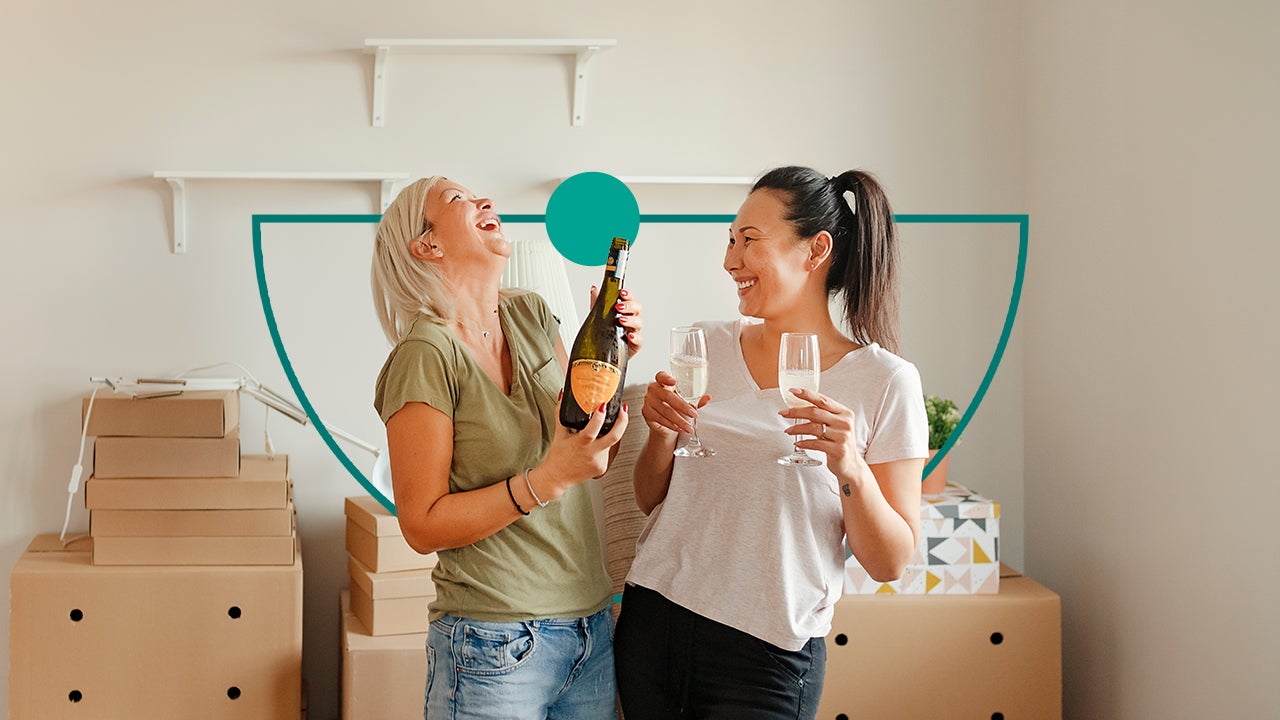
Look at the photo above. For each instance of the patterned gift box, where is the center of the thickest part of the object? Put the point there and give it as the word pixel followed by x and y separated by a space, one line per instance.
pixel 959 552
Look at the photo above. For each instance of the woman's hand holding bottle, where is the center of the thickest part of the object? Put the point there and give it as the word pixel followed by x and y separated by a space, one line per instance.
pixel 577 456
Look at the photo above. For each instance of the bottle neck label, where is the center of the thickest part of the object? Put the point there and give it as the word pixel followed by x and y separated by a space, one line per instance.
pixel 593 383
pixel 617 265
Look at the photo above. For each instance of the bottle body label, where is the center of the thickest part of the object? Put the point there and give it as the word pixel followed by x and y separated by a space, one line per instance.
pixel 593 383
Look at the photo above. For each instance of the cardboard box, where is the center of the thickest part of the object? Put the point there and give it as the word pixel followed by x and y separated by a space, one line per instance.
pixel 167 457
pixel 263 483
pixel 194 550
pixel 192 523
pixel 369 514
pixel 151 642
pixel 391 603
pixel 959 551
pixel 382 677
pixel 903 657
pixel 406 583
pixel 386 553
pixel 390 616
pixel 193 414
pixel 373 538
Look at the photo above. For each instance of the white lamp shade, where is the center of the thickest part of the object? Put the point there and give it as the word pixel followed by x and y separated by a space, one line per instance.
pixel 536 265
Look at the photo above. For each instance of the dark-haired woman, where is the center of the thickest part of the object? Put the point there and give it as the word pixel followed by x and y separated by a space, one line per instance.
pixel 741 561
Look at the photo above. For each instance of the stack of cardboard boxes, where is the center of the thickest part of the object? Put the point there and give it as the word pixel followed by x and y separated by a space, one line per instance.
pixel 384 616
pixel 169 485
pixel 959 635
pixel 187 599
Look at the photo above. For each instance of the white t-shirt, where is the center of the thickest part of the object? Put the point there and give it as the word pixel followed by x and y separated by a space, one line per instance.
pixel 753 544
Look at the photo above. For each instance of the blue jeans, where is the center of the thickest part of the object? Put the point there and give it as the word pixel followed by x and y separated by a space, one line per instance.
pixel 553 669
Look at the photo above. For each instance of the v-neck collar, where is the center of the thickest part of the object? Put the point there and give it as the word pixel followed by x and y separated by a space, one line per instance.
pixel 741 359
pixel 504 327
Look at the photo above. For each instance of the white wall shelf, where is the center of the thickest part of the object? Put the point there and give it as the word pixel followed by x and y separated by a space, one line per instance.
pixel 581 49
pixel 686 180
pixel 177 179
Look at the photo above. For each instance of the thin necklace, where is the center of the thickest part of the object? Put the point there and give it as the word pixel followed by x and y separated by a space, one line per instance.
pixel 483 333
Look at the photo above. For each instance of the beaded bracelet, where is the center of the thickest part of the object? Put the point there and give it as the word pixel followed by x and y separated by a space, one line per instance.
pixel 513 498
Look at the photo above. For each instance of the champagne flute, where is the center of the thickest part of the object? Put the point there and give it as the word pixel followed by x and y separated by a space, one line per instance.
pixel 689 368
pixel 798 367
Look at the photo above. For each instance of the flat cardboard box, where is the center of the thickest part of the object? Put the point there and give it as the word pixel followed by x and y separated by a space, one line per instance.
pixel 383 678
pixel 390 616
pixel 263 483
pixel 272 522
pixel 384 553
pixel 369 514
pixel 406 583
pixel 151 642
pixel 167 457
pixel 194 550
pixel 913 657
pixel 193 414
pixel 958 554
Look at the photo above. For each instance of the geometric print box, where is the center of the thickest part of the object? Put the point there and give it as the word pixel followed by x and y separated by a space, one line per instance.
pixel 959 551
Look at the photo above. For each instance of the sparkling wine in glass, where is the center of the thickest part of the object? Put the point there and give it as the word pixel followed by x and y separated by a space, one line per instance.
pixel 799 365
pixel 689 368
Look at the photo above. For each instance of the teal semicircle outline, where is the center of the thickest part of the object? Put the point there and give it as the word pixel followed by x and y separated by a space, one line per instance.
pixel 1022 221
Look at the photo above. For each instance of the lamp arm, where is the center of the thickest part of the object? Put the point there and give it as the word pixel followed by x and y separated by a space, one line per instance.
pixel 276 402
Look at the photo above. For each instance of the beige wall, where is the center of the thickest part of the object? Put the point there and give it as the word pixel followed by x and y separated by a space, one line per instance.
pixel 983 107
pixel 1150 343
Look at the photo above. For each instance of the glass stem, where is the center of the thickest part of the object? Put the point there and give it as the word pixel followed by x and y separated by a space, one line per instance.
pixel 693 438
pixel 795 450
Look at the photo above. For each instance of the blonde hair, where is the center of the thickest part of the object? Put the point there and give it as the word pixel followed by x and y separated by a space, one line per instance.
pixel 405 287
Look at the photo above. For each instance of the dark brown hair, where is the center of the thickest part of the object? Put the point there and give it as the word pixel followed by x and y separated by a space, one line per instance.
pixel 864 253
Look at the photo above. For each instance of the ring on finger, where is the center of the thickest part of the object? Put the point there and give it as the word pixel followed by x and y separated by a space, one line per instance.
pixel 824 432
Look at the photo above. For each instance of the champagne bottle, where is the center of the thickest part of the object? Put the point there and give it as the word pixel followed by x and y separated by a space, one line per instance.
pixel 598 360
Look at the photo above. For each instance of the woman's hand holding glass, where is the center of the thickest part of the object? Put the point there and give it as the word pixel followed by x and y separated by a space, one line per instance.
pixel 831 426
pixel 799 366
pixel 689 369
pixel 671 406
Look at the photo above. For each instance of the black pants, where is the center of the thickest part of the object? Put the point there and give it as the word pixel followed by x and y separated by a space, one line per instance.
pixel 675 664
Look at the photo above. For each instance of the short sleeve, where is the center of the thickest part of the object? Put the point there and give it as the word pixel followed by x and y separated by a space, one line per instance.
pixel 541 312
pixel 417 371
pixel 901 429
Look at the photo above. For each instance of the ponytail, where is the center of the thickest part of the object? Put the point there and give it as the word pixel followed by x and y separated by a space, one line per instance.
pixel 864 253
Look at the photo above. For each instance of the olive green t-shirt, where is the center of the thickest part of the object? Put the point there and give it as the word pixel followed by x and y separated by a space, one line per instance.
pixel 545 565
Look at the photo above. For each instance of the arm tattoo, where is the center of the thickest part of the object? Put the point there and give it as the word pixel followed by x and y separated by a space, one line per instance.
pixel 845 488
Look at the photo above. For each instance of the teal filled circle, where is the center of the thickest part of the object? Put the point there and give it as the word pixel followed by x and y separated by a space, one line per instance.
pixel 586 211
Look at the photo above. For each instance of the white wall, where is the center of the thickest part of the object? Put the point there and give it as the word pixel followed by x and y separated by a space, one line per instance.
pixel 98 96
pixel 1150 344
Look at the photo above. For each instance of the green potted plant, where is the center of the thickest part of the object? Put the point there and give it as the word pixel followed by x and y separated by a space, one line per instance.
pixel 943 418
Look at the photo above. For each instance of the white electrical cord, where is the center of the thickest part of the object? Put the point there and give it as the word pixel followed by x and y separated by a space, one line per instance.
pixel 74 485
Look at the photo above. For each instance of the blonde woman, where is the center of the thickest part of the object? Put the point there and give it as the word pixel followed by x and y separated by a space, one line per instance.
pixel 483 473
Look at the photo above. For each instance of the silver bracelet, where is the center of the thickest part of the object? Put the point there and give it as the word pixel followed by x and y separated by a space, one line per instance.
pixel 530 486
